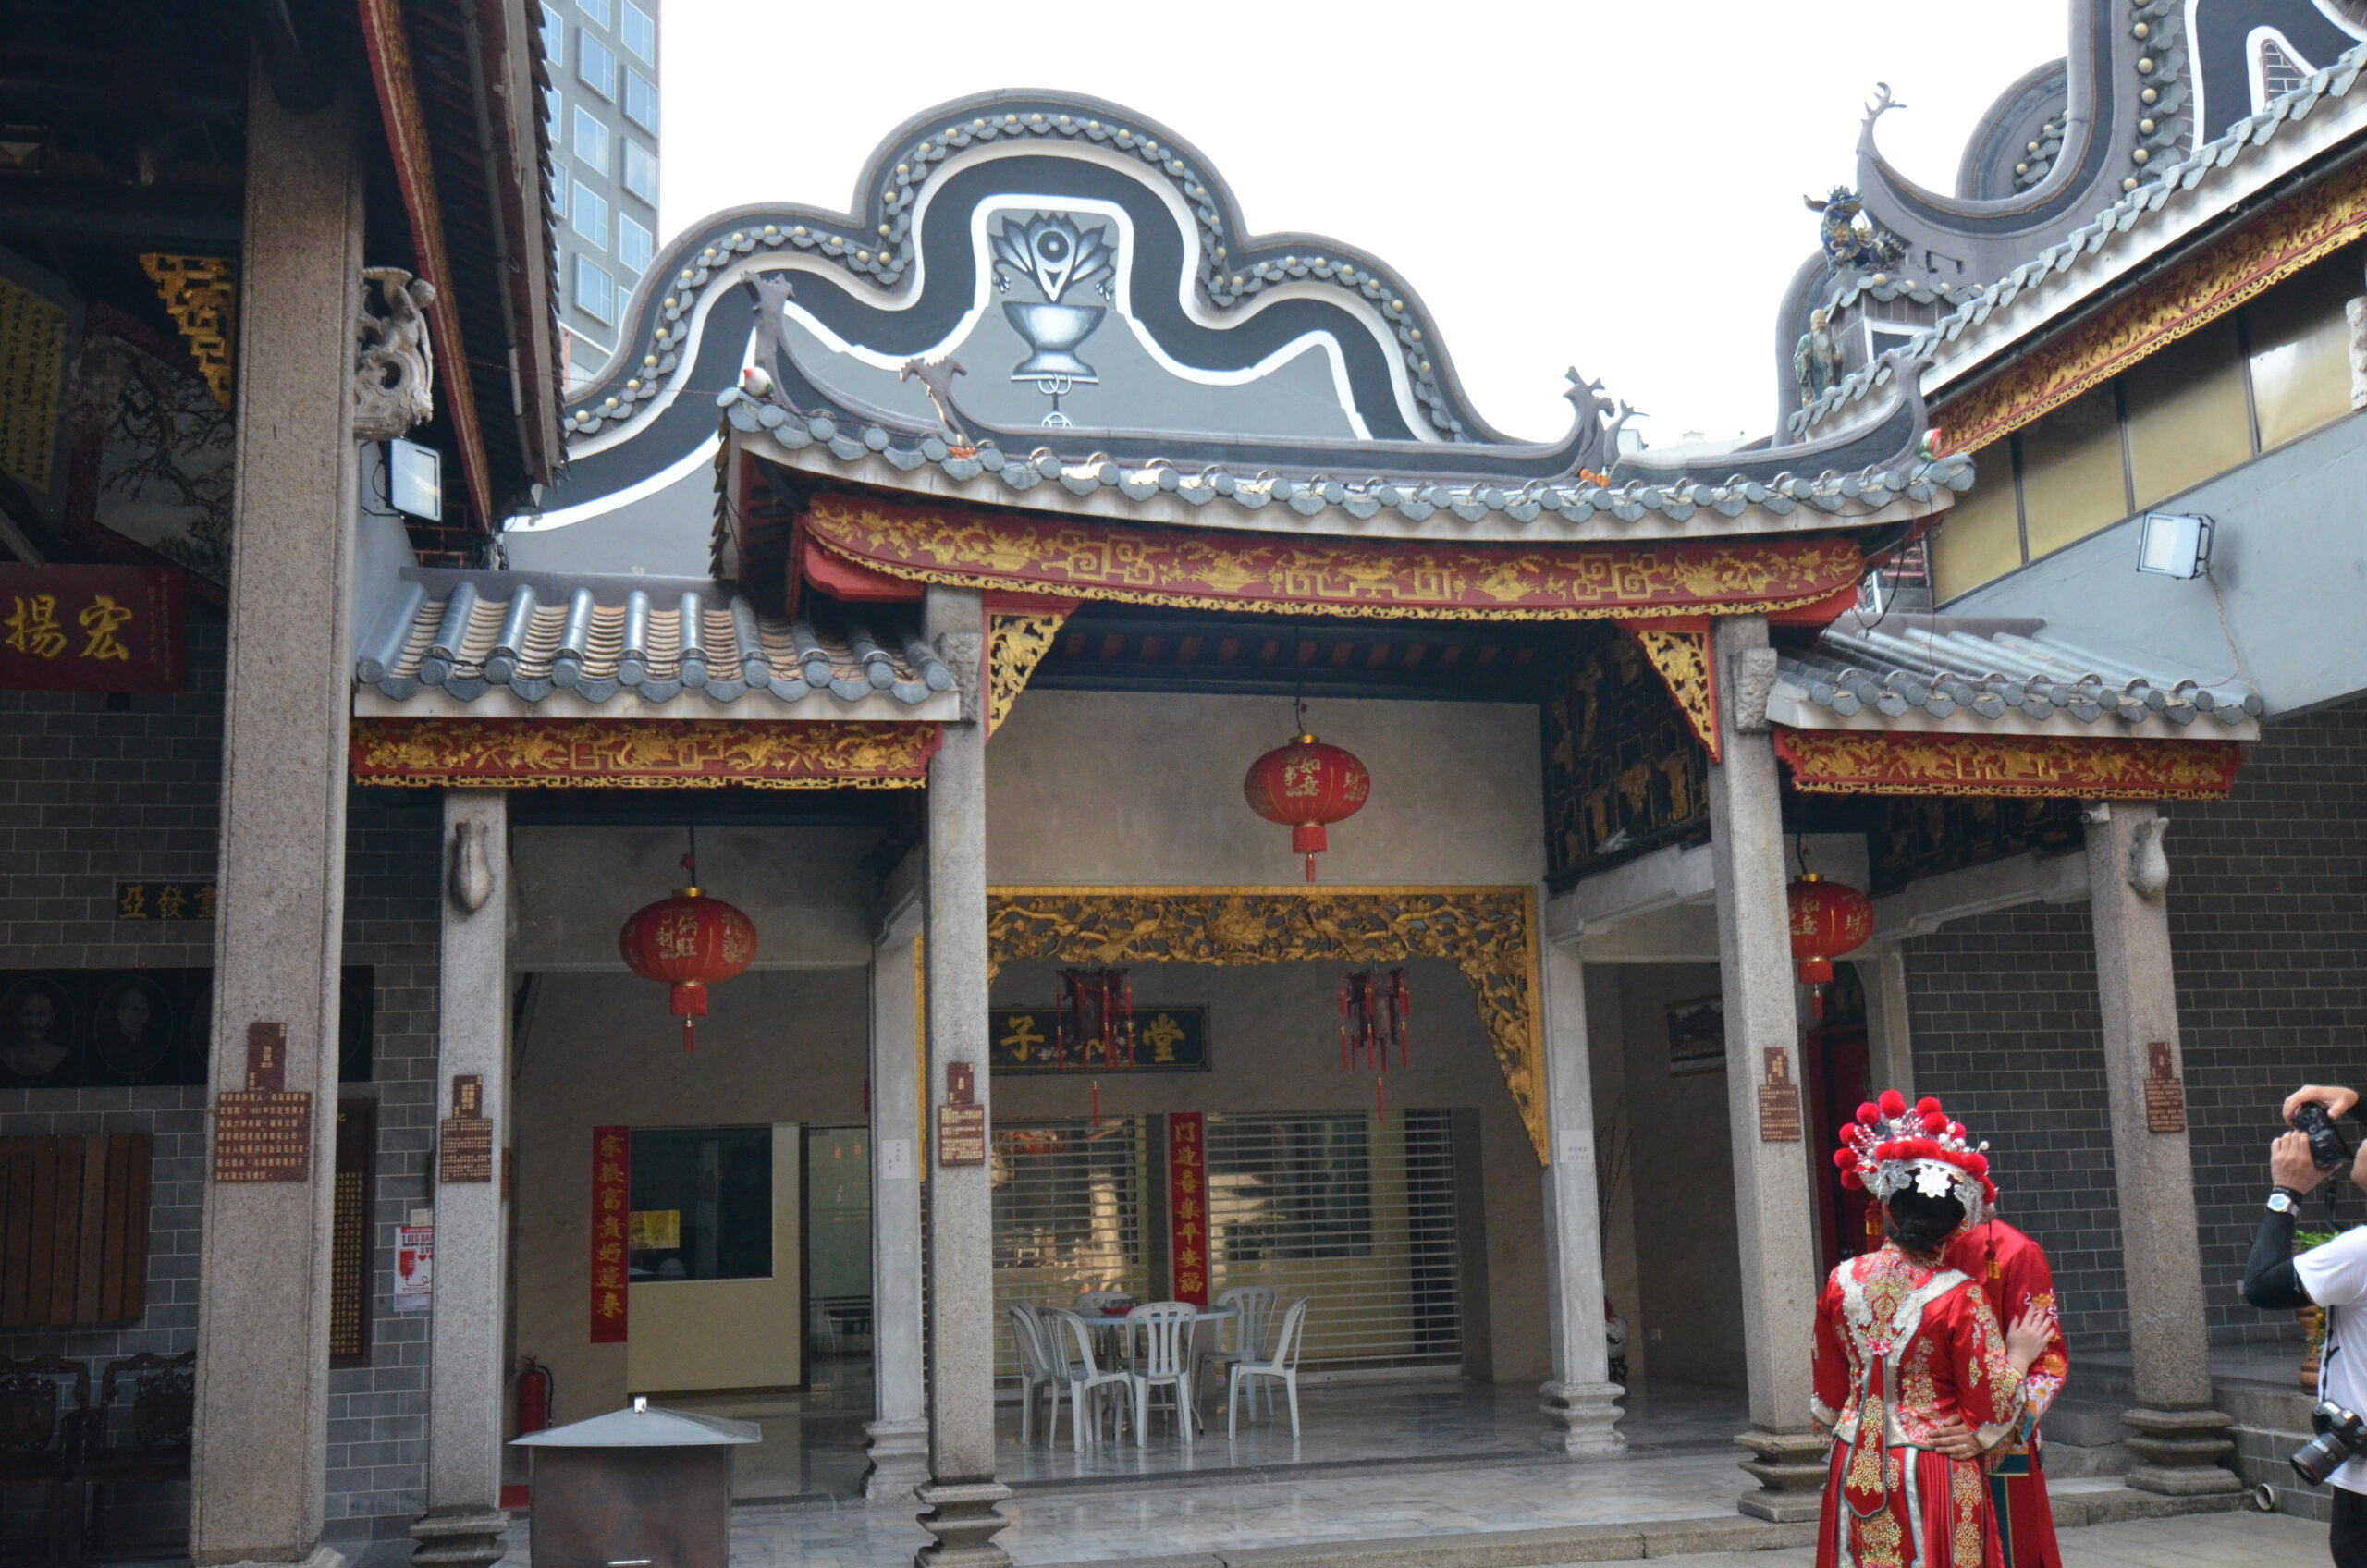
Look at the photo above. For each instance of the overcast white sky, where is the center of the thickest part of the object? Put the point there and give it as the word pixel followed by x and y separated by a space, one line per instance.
pixel 1612 186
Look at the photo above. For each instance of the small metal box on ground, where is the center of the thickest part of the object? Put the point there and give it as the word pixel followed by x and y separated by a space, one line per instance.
pixel 647 1488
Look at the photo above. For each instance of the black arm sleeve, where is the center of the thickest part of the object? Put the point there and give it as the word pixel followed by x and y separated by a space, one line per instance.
pixel 2269 1277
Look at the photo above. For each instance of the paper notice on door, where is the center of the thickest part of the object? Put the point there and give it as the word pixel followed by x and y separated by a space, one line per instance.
pixel 896 1160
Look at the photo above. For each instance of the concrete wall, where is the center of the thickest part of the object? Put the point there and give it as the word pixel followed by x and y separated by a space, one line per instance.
pixel 1273 1032
pixel 1089 788
pixel 601 1049
pixel 1689 1274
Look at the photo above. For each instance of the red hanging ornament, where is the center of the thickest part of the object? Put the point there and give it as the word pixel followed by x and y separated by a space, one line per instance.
pixel 1304 786
pixel 1094 1018
pixel 1828 919
pixel 690 942
pixel 1374 1016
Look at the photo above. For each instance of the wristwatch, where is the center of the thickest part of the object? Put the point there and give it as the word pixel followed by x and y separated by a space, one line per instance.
pixel 2284 1200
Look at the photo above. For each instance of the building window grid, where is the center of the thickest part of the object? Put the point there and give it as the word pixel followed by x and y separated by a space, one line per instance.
pixel 591 215
pixel 591 141
pixel 596 290
pixel 636 247
pixel 594 10
pixel 639 33
pixel 641 101
pixel 595 65
pixel 558 189
pixel 641 171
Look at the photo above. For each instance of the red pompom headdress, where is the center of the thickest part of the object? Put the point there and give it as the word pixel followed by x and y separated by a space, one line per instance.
pixel 1892 1146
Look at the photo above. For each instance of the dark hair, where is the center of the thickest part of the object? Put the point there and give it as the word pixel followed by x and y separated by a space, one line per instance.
pixel 1919 1223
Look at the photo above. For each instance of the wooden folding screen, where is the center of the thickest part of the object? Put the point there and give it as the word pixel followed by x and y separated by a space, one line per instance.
pixel 74 1228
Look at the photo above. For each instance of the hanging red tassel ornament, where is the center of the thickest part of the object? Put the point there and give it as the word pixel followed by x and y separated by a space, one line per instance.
pixel 1095 1016
pixel 1828 919
pixel 1305 785
pixel 690 942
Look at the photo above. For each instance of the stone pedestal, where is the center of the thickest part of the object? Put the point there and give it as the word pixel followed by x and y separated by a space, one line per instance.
pixel 469 1331
pixel 961 1493
pixel 261 1429
pixel 2173 1428
pixel 1777 1230
pixel 897 1439
pixel 1581 1418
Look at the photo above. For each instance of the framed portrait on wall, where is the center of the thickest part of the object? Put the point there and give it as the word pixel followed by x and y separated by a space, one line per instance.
pixel 1696 1036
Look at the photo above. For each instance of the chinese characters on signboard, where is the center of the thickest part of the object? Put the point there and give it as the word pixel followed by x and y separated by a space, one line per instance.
pixel 1167 1040
pixel 1188 1205
pixel 90 628
pixel 611 1222
pixel 163 901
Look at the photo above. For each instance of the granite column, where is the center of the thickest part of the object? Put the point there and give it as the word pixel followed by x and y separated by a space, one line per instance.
pixel 897 1439
pixel 1581 1414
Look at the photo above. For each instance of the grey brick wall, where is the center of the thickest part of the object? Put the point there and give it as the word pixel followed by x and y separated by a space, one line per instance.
pixel 2268 920
pixel 94 791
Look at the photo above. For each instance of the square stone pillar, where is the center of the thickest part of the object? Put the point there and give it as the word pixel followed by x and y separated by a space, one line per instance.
pixel 897 1441
pixel 960 1491
pixel 467 1333
pixel 1777 1229
pixel 263 1329
pixel 2175 1429
pixel 1581 1414
pixel 1890 1039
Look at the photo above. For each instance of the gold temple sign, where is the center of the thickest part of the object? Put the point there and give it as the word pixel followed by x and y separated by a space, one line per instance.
pixel 1021 1040
pixel 1857 762
pixel 32 378
pixel 163 901
pixel 263 1136
pixel 1779 1100
pixel 961 1134
pixel 2165 1092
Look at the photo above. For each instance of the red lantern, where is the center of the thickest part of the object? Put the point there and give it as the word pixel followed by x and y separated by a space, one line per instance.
pixel 689 941
pixel 1304 786
pixel 1828 920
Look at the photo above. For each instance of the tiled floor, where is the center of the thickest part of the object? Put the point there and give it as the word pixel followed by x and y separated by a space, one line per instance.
pixel 2220 1541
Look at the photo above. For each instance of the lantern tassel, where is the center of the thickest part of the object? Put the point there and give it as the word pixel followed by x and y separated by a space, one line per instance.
pixel 1380 1095
pixel 1096 1102
pixel 690 1035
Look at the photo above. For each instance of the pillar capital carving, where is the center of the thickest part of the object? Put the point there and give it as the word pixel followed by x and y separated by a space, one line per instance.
pixel 394 365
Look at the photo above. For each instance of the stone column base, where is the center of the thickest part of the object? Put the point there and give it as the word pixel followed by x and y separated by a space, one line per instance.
pixel 1790 1468
pixel 459 1538
pixel 2181 1449
pixel 323 1556
pixel 1582 1420
pixel 899 1454
pixel 961 1516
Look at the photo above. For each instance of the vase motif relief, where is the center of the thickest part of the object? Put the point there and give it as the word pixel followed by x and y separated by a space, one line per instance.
pixel 1053 252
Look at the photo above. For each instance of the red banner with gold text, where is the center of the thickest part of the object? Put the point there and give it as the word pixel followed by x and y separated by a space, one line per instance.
pixel 612 1226
pixel 1187 1202
pixel 90 628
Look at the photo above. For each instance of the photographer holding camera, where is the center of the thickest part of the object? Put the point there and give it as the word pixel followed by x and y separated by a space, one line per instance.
pixel 2334 1277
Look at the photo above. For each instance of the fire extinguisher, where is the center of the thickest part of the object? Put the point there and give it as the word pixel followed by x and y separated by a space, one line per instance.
pixel 537 1393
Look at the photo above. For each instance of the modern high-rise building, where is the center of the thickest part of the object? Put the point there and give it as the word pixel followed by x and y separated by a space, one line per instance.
pixel 602 56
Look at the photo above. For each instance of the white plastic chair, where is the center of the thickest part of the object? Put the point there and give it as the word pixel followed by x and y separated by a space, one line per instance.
pixel 1037 1372
pixel 1282 1363
pixel 1252 1326
pixel 1069 1338
pixel 1164 1358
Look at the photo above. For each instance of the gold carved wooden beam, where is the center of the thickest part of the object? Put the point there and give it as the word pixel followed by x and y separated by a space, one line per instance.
pixel 1679 650
pixel 1488 933
pixel 640 753
pixel 1015 646
pixel 2078 767
pixel 201 293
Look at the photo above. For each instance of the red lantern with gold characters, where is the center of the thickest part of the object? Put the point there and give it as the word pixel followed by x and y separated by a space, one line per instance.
pixel 690 942
pixel 1305 785
pixel 1828 919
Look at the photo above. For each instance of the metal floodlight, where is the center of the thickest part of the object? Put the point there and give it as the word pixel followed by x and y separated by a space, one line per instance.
pixel 2174 545
pixel 415 479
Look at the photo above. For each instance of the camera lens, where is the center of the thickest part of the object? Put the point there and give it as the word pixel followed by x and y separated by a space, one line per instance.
pixel 2319 1458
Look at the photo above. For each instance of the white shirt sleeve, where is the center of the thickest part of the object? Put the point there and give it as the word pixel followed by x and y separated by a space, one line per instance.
pixel 2335 1274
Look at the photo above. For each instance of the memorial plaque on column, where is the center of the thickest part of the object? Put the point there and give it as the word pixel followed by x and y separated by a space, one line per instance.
pixel 464 1144
pixel 263 1133
pixel 1779 1100
pixel 961 1121
pixel 2164 1091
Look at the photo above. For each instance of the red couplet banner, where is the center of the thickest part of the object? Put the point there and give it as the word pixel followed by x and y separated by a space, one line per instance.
pixel 611 1225
pixel 91 629
pixel 1187 1199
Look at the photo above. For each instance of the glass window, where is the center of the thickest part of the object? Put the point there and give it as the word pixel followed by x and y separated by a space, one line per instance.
pixel 558 189
pixel 641 171
pixel 2185 412
pixel 554 108
pixel 596 291
pixel 591 141
pixel 635 246
pixel 1981 538
pixel 591 215
pixel 640 32
pixel 2073 482
pixel 2300 350
pixel 641 101
pixel 702 1204
pixel 593 10
pixel 596 64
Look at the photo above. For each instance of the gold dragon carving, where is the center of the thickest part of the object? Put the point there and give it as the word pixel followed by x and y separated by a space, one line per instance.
pixel 629 753
pixel 1488 933
pixel 1015 646
pixel 1844 762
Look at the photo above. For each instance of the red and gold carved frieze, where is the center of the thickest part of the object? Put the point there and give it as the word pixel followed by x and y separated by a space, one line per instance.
pixel 650 754
pixel 1416 579
pixel 2195 292
pixel 1853 762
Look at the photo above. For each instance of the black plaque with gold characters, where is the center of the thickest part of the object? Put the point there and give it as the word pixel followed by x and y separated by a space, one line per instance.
pixel 1167 1040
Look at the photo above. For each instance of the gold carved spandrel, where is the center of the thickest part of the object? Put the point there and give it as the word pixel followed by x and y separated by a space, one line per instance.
pixel 1488 933
pixel 1015 646
pixel 33 373
pixel 201 293
pixel 1682 657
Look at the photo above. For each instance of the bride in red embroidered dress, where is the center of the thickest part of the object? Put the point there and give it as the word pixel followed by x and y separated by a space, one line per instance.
pixel 1905 1346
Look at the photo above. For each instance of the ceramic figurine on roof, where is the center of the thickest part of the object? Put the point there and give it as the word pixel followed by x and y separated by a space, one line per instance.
pixel 1849 240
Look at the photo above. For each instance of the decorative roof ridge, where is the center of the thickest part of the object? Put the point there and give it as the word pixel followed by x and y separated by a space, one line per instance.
pixel 2122 217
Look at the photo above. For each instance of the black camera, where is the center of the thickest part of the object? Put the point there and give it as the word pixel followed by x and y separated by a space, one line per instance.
pixel 2341 1435
pixel 2328 1145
